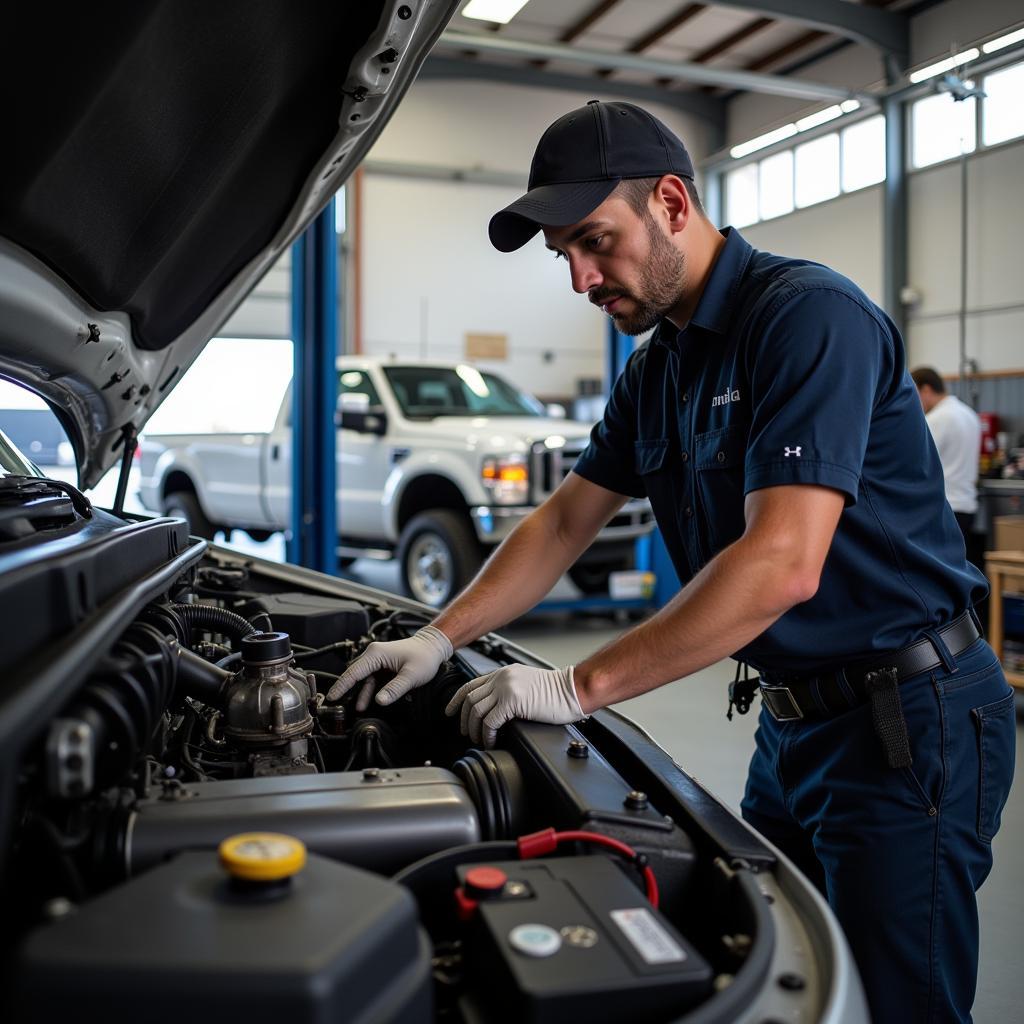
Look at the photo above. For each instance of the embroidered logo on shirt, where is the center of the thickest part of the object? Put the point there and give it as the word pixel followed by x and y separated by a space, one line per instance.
pixel 731 395
pixel 787 451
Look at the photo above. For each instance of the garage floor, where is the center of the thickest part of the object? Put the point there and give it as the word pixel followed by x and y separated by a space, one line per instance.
pixel 688 719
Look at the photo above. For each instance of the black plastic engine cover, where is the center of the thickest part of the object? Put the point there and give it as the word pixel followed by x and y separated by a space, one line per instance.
pixel 181 943
pixel 313 620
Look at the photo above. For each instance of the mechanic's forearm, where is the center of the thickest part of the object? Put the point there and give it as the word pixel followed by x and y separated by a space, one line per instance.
pixel 730 602
pixel 516 577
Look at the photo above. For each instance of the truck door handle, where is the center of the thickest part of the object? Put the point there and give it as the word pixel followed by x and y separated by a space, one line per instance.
pixel 275 452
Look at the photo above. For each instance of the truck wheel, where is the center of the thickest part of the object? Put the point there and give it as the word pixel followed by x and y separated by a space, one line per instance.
pixel 185 505
pixel 591 579
pixel 438 555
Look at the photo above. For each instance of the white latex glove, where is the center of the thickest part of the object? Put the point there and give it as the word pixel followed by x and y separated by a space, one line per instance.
pixel 515 691
pixel 413 662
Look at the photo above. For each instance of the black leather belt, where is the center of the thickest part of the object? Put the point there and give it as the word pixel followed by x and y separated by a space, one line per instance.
pixel 823 695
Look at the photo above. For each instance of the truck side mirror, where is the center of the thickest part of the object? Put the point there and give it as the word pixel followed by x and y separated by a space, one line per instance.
pixel 369 420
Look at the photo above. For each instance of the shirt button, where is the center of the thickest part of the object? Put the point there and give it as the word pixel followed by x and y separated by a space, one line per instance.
pixel 689 511
pixel 686 455
pixel 686 397
pixel 720 456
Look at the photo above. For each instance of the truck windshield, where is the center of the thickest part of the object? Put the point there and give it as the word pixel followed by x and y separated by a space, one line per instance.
pixel 12 462
pixel 429 391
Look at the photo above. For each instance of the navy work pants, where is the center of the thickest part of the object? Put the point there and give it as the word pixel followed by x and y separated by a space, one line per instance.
pixel 898 852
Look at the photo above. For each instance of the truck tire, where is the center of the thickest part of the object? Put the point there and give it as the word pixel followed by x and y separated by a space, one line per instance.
pixel 185 505
pixel 594 577
pixel 438 554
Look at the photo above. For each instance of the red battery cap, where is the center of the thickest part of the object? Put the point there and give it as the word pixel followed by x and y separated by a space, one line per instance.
pixel 484 882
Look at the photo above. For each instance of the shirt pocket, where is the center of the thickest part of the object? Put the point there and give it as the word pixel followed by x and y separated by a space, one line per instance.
pixel 719 460
pixel 651 463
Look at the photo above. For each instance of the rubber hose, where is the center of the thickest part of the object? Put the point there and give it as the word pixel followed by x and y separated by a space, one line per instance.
pixel 216 620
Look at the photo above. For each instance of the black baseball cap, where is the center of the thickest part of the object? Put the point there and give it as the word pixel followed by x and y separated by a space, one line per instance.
pixel 579 161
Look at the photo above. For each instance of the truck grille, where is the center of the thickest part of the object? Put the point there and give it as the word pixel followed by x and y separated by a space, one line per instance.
pixel 550 466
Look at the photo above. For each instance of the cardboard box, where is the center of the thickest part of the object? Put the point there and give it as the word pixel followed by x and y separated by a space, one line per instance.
pixel 1008 533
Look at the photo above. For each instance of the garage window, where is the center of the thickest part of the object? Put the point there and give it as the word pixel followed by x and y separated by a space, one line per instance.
pixel 941 128
pixel 817 170
pixel 1003 111
pixel 775 185
pixel 864 154
pixel 741 196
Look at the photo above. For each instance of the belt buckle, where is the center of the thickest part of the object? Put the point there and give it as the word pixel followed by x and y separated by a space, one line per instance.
pixel 776 698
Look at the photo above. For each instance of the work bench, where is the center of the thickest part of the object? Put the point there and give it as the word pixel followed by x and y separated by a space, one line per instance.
pixel 1001 566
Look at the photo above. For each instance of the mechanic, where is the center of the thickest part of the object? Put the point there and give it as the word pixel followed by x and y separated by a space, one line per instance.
pixel 956 431
pixel 772 423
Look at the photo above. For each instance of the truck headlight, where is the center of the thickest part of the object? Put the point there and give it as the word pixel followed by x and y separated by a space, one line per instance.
pixel 507 477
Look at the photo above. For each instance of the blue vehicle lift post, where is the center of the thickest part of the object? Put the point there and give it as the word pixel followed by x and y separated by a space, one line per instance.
pixel 313 541
pixel 651 553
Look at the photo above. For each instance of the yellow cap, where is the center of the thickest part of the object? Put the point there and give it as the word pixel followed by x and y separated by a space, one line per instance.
pixel 262 856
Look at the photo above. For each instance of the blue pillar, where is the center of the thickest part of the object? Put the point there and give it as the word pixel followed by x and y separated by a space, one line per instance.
pixel 651 553
pixel 314 536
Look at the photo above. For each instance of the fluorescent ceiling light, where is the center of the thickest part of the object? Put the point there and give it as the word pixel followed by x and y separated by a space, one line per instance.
pixel 997 44
pixel 820 117
pixel 849 106
pixel 785 132
pixel 945 65
pixel 501 12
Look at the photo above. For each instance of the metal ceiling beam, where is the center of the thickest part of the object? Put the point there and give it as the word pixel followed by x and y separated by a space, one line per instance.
pixel 667 27
pixel 708 108
pixel 656 34
pixel 793 46
pixel 676 70
pixel 573 32
pixel 886 31
pixel 731 40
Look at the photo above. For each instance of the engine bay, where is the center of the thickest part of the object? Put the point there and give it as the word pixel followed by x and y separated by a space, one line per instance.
pixel 570 866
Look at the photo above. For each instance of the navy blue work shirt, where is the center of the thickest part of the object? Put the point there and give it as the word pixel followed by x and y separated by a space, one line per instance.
pixel 788 374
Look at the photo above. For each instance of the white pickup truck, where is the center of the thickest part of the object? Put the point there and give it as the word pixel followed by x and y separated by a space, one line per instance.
pixel 436 464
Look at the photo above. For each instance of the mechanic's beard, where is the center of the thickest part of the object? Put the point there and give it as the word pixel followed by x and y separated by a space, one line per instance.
pixel 662 282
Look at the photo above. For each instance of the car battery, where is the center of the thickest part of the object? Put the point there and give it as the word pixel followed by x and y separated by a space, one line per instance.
pixel 574 934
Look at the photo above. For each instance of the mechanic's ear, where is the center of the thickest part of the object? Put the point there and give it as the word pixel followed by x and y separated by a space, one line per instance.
pixel 673 202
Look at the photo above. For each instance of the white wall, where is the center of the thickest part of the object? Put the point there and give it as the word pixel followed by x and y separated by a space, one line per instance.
pixel 266 313
pixel 430 275
pixel 845 233
pixel 995 279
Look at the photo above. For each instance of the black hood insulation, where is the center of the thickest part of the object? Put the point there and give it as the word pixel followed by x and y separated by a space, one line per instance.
pixel 158 146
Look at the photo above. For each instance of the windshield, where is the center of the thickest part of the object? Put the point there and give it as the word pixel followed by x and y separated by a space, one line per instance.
pixel 12 462
pixel 428 391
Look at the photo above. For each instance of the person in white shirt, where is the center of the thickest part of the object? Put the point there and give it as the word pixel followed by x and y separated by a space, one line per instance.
pixel 956 431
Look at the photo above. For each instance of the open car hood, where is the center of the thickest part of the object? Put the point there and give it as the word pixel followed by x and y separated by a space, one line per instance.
pixel 164 155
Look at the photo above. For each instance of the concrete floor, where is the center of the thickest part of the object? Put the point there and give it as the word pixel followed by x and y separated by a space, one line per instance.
pixel 688 719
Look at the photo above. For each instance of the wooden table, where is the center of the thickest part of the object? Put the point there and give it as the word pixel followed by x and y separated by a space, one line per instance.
pixel 1000 566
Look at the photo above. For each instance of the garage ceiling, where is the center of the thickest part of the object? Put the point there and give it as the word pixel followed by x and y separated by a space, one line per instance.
pixel 713 48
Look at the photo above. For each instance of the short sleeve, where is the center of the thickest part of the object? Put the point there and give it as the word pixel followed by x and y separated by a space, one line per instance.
pixel 608 460
pixel 818 364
